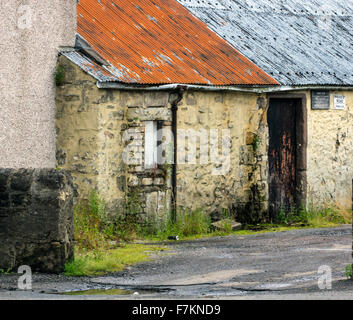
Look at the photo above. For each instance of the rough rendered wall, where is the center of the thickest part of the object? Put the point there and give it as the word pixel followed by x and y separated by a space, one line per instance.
pixel 244 187
pixel 31 33
pixel 330 157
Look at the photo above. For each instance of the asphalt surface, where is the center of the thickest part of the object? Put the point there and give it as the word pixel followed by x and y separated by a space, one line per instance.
pixel 295 264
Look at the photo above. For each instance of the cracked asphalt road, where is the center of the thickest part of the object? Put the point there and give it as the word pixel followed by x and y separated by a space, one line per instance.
pixel 282 265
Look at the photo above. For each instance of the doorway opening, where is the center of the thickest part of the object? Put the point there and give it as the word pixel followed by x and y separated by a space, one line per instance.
pixel 287 123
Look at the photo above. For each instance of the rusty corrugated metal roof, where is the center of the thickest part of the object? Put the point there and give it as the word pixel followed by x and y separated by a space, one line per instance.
pixel 298 42
pixel 159 42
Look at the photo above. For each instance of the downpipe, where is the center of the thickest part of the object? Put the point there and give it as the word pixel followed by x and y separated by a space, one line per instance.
pixel 174 104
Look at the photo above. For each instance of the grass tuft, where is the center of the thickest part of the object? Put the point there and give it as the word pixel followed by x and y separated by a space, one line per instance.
pixel 321 217
pixel 94 263
pixel 188 223
pixel 92 229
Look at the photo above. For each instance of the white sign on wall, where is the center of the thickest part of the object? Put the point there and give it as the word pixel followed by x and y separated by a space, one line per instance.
pixel 339 102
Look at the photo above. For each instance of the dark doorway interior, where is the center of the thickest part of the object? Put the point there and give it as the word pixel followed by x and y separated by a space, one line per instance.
pixel 286 155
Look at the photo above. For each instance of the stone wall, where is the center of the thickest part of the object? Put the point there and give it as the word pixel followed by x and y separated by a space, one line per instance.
pixel 89 125
pixel 93 129
pixel 36 219
pixel 242 189
pixel 31 34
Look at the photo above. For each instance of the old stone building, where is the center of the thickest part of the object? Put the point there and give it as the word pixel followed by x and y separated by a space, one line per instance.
pixel 156 101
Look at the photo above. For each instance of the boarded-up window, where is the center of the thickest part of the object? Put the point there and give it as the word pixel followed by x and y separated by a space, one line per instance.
pixel 151 144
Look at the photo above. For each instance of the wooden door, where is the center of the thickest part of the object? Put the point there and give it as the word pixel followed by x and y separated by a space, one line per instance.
pixel 282 155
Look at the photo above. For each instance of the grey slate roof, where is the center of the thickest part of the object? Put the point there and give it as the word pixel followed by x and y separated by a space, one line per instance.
pixel 295 41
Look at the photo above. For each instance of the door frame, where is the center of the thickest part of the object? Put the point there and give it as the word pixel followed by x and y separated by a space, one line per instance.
pixel 301 130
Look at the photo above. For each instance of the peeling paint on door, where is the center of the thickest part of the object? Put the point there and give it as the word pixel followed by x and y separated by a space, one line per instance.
pixel 282 155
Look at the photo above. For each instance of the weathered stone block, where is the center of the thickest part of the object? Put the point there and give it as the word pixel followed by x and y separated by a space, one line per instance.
pixel 190 99
pixel 247 155
pixel 60 157
pixel 71 97
pixel 20 200
pixel 4 199
pixel 151 203
pixel 147 181
pixel 36 223
pixel 156 99
pixel 21 180
pixel 261 103
pixel 250 138
pixel 149 114
pixel 117 115
pixel 133 181
pixel 218 98
pixel 158 181
pixel 4 175
pixel 121 182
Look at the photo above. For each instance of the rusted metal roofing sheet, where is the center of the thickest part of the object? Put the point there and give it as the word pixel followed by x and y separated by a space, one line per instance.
pixel 159 42
pixel 298 42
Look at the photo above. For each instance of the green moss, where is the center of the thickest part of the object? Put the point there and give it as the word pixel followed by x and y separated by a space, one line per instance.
pixel 59 75
pixel 256 143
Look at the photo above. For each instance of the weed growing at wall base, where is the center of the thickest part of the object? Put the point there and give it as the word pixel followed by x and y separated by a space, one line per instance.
pixel 5 271
pixel 187 223
pixel 95 230
pixel 103 242
pixel 320 217
pixel 90 222
pixel 101 245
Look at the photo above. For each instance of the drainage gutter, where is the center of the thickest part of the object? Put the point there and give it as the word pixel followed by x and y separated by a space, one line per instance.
pixel 253 89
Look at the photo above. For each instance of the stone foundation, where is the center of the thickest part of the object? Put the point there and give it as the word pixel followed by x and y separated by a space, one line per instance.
pixel 36 219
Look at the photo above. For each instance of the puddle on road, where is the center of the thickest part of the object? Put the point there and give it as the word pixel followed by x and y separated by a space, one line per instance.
pixel 273 286
pixel 109 292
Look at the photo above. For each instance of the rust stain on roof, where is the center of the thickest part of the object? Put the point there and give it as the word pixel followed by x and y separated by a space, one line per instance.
pixel 159 42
